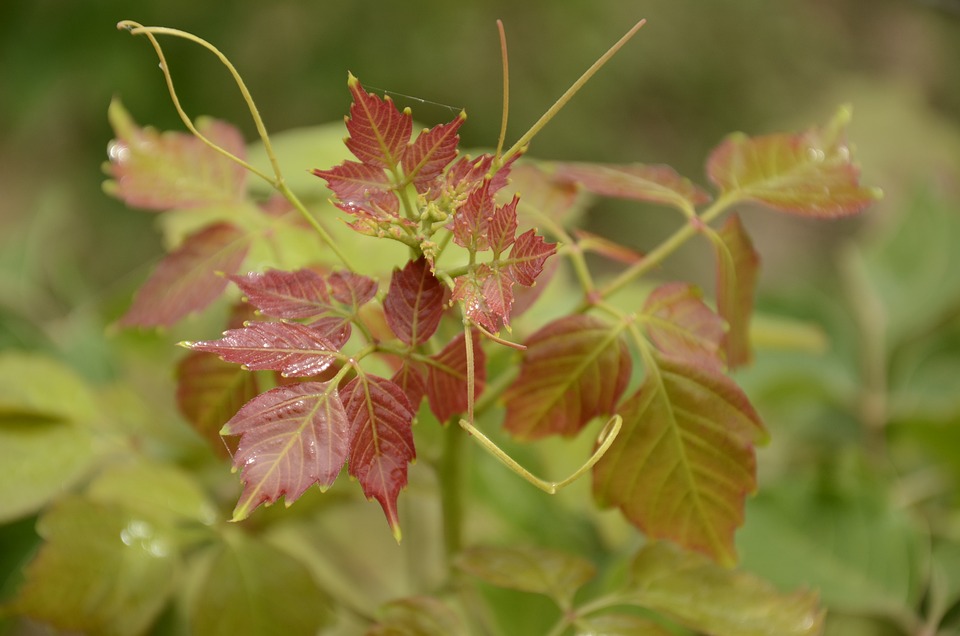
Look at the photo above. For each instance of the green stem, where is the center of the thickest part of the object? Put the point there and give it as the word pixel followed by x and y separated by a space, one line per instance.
pixel 450 472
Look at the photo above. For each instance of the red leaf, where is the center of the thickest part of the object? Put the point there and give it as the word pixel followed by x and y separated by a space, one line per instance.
pixel 487 296
pixel 290 438
pixel 467 174
pixel 589 242
pixel 447 377
pixel 288 347
pixel 502 227
pixel 573 370
pixel 299 294
pixel 210 391
pixel 542 192
pixel 472 218
pixel 737 267
pixel 659 184
pixel 431 152
pixel 682 327
pixel 379 133
pixel 361 189
pixel 414 304
pixel 411 381
pixel 352 289
pixel 189 278
pixel 524 297
pixel 527 257
pixel 167 170
pixel 683 462
pixel 811 174
pixel 381 444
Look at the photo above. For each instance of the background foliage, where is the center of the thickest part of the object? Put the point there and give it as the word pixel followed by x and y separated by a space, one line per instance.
pixel 858 491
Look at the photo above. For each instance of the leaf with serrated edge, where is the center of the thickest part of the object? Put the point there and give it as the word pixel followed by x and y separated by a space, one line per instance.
pixel 291 437
pixel 472 218
pixel 711 599
pixel 293 349
pixel 189 278
pixel 379 133
pixel 574 369
pixel 160 171
pixel 530 569
pixel 360 187
pixel 447 377
pixel 381 441
pixel 681 326
pixel 502 227
pixel 684 462
pixel 487 296
pixel 527 257
pixel 737 267
pixel 431 152
pixel 655 183
pixel 352 289
pixel 413 305
pixel 299 294
pixel 810 174
pixel 210 391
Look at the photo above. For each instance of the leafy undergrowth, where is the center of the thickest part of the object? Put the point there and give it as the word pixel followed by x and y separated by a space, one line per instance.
pixel 425 297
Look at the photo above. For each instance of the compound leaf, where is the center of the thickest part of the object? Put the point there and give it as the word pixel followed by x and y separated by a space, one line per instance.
pixel 655 183
pixel 810 174
pixel 431 152
pixel 293 349
pixel 413 305
pixel 684 461
pixel 167 170
pixel 291 437
pixel 381 441
pixel 573 370
pixel 447 377
pixel 189 278
pixel 682 327
pixel 379 133
pixel 738 265
pixel 713 600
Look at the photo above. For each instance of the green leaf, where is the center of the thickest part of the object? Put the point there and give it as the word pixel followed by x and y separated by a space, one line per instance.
pixel 45 442
pixel 860 553
pixel 103 570
pixel 573 370
pixel 711 599
pixel 529 569
pixel 619 625
pixel 810 174
pixel 683 463
pixel 252 588
pixel 417 616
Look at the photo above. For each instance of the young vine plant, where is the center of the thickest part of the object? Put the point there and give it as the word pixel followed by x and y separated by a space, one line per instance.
pixel 298 380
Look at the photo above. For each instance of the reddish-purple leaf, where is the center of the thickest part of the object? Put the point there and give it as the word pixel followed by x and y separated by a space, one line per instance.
pixel 167 170
pixel 682 327
pixel 431 152
pixel 658 183
pixel 351 289
pixel 410 379
pixel 210 391
pixel 381 442
pixel 468 174
pixel 529 253
pixel 291 437
pixel 189 278
pixel 502 227
pixel 379 133
pixel 414 304
pixel 589 242
pixel 524 297
pixel 447 377
pixel 299 294
pixel 293 349
pixel 361 189
pixel 811 174
pixel 487 296
pixel 574 369
pixel 683 463
pixel 472 218
pixel 737 267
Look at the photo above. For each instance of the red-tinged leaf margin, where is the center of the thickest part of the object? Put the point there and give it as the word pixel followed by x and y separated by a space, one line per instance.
pixel 293 349
pixel 381 441
pixel 361 189
pixel 810 174
pixel 654 183
pixel 209 392
pixel 379 133
pixel 282 294
pixel 190 278
pixel 683 463
pixel 738 265
pixel 291 437
pixel 472 218
pixel 433 150
pixel 682 327
pixel 574 369
pixel 447 377
pixel 413 306
pixel 527 256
